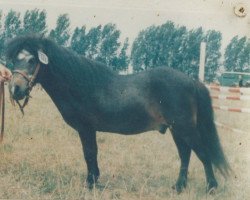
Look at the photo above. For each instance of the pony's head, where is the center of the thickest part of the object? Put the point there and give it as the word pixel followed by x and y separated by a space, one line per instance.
pixel 26 56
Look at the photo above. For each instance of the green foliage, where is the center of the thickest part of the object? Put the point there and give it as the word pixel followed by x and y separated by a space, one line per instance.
pixel 145 50
pixel 11 28
pixel 121 62
pixel 108 44
pixel 12 25
pixel 1 37
pixel 163 46
pixel 237 55
pixel 61 33
pixel 195 37
pixel 213 41
pixel 101 44
pixel 35 22
pixel 244 57
pixel 177 47
pixel 79 42
pixel 93 37
pixel 110 52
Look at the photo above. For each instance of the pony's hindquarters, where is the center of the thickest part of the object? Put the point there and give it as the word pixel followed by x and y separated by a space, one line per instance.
pixel 195 130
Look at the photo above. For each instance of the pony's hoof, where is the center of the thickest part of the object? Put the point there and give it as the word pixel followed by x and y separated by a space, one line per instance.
pixel 91 181
pixel 179 186
pixel 212 186
pixel 211 191
pixel 90 186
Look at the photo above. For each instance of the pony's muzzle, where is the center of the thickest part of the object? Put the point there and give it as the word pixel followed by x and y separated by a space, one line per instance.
pixel 17 93
pixel 18 89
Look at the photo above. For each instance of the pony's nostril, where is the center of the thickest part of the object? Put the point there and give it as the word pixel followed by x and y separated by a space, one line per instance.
pixel 16 89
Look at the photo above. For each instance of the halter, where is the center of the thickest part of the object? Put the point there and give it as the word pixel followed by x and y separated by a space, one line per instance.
pixel 31 83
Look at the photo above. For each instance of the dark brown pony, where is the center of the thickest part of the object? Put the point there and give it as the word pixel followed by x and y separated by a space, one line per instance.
pixel 92 98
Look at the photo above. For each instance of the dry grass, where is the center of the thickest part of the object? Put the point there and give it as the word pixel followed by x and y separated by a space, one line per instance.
pixel 41 158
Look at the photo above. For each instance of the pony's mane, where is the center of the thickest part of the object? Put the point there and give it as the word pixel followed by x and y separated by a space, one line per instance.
pixel 63 62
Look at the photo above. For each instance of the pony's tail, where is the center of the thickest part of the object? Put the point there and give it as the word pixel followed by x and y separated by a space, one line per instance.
pixel 208 132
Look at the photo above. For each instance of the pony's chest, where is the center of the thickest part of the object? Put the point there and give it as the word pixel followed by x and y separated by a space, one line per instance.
pixel 71 109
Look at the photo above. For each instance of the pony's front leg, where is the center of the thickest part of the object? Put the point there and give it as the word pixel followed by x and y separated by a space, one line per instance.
pixel 88 139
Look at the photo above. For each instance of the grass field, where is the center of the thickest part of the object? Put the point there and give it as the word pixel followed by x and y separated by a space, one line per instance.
pixel 41 158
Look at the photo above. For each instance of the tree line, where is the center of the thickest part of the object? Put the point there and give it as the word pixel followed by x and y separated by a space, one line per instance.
pixel 164 45
pixel 176 46
pixel 101 43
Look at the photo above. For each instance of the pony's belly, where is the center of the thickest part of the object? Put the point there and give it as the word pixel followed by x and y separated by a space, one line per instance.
pixel 131 126
pixel 133 119
pixel 125 123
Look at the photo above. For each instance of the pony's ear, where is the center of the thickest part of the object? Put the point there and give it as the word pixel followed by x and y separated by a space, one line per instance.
pixel 43 58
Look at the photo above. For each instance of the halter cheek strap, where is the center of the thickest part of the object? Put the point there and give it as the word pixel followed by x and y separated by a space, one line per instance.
pixel 31 83
pixel 31 80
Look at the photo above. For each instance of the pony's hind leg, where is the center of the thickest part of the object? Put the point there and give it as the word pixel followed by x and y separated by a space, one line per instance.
pixel 196 144
pixel 88 139
pixel 184 152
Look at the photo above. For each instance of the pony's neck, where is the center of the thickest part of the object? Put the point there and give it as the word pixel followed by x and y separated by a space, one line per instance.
pixel 70 74
pixel 75 70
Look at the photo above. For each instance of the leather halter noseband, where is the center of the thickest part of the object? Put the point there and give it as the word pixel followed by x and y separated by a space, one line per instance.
pixel 31 83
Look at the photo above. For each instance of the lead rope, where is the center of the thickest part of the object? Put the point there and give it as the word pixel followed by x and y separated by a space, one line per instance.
pixel 2 98
pixel 21 107
pixel 2 108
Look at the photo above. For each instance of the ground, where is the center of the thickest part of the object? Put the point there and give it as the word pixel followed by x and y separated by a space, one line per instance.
pixel 41 158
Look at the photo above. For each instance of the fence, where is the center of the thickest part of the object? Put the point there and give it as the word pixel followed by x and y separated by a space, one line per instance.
pixel 243 95
pixel 231 94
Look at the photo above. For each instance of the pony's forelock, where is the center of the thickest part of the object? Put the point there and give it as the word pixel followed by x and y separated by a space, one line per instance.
pixel 28 42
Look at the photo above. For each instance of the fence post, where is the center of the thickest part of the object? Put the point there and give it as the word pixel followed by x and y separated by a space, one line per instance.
pixel 202 61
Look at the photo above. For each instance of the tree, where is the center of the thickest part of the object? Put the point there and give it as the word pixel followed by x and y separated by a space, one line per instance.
pixel 230 54
pixel 121 62
pixel 61 33
pixel 101 44
pixel 1 37
pixel 144 51
pixel 244 57
pixel 176 47
pixel 93 38
pixel 79 42
pixel 213 55
pixel 192 56
pixel 237 54
pixel 179 48
pixel 12 27
pixel 35 22
pixel 164 45
pixel 108 44
pixel 167 45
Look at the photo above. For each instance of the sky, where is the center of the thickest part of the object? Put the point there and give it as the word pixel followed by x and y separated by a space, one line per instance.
pixel 132 16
